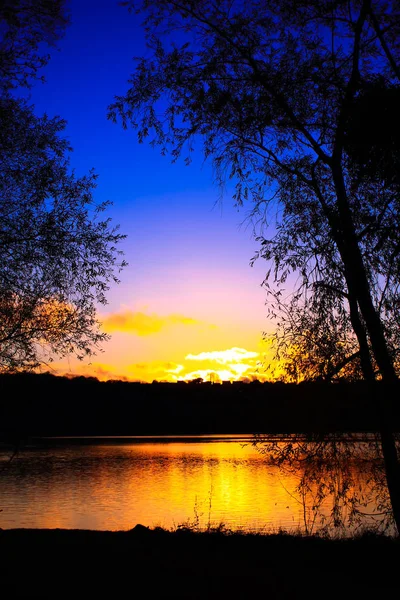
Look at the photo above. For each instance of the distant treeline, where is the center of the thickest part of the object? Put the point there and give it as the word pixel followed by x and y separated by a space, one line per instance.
pixel 46 405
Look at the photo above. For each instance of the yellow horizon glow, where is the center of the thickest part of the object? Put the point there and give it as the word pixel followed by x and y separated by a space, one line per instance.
pixel 213 366
pixel 146 346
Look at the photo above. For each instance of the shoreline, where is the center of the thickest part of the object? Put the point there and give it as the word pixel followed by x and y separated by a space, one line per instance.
pixel 54 441
pixel 154 563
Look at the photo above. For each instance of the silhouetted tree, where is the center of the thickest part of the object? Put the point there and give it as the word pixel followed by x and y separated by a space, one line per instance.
pixel 276 91
pixel 27 26
pixel 340 480
pixel 57 255
pixel 313 340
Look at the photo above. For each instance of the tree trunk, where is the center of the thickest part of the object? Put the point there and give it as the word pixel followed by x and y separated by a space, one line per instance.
pixel 356 274
pixel 384 404
pixel 392 470
pixel 359 330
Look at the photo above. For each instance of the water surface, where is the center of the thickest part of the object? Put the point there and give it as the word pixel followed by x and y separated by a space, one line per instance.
pixel 116 483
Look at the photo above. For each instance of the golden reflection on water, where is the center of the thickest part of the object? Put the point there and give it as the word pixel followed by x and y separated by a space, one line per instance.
pixel 116 486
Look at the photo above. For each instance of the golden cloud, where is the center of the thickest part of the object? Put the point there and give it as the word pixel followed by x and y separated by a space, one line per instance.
pixel 151 367
pixel 160 370
pixel 234 364
pixel 224 357
pixel 142 324
pixel 207 369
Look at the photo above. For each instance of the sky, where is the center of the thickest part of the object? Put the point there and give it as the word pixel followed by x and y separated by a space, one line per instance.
pixel 189 305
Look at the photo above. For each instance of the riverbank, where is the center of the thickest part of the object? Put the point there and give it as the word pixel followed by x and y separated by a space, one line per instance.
pixel 145 563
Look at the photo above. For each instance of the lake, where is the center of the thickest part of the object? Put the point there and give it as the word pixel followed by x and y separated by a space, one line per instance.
pixel 113 484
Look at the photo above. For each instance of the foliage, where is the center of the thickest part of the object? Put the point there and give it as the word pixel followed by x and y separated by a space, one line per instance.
pixel 280 95
pixel 375 149
pixel 57 254
pixel 275 92
pixel 26 26
pixel 313 340
pixel 340 480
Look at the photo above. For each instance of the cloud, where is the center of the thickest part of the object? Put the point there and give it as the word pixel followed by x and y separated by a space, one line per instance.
pixel 232 364
pixel 160 370
pixel 209 375
pixel 224 357
pixel 140 323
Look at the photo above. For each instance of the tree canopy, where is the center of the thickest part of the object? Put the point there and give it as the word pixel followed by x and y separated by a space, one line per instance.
pixel 57 254
pixel 295 103
pixel 280 95
pixel 27 27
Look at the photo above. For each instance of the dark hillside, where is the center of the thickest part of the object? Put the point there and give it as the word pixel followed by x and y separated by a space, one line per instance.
pixel 45 405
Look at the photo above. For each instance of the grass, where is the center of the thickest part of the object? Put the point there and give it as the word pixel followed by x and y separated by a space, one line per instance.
pixel 185 563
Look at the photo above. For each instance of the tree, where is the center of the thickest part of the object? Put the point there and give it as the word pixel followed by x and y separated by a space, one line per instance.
pixel 313 341
pixel 340 481
pixel 275 91
pixel 26 27
pixel 57 255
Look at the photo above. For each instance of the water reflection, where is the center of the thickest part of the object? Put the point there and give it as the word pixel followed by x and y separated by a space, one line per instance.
pixel 114 486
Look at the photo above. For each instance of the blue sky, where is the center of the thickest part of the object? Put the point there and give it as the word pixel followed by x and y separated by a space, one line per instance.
pixel 188 253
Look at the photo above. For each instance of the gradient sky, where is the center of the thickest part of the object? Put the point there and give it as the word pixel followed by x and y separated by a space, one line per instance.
pixel 189 303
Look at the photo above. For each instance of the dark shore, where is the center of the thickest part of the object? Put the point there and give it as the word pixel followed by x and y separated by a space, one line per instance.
pixel 58 406
pixel 144 563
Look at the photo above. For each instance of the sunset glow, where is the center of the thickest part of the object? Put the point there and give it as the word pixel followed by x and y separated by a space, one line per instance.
pixel 233 364
pixel 189 305
pixel 141 324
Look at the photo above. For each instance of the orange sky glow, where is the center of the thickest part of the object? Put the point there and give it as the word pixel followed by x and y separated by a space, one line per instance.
pixel 175 347
pixel 189 305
